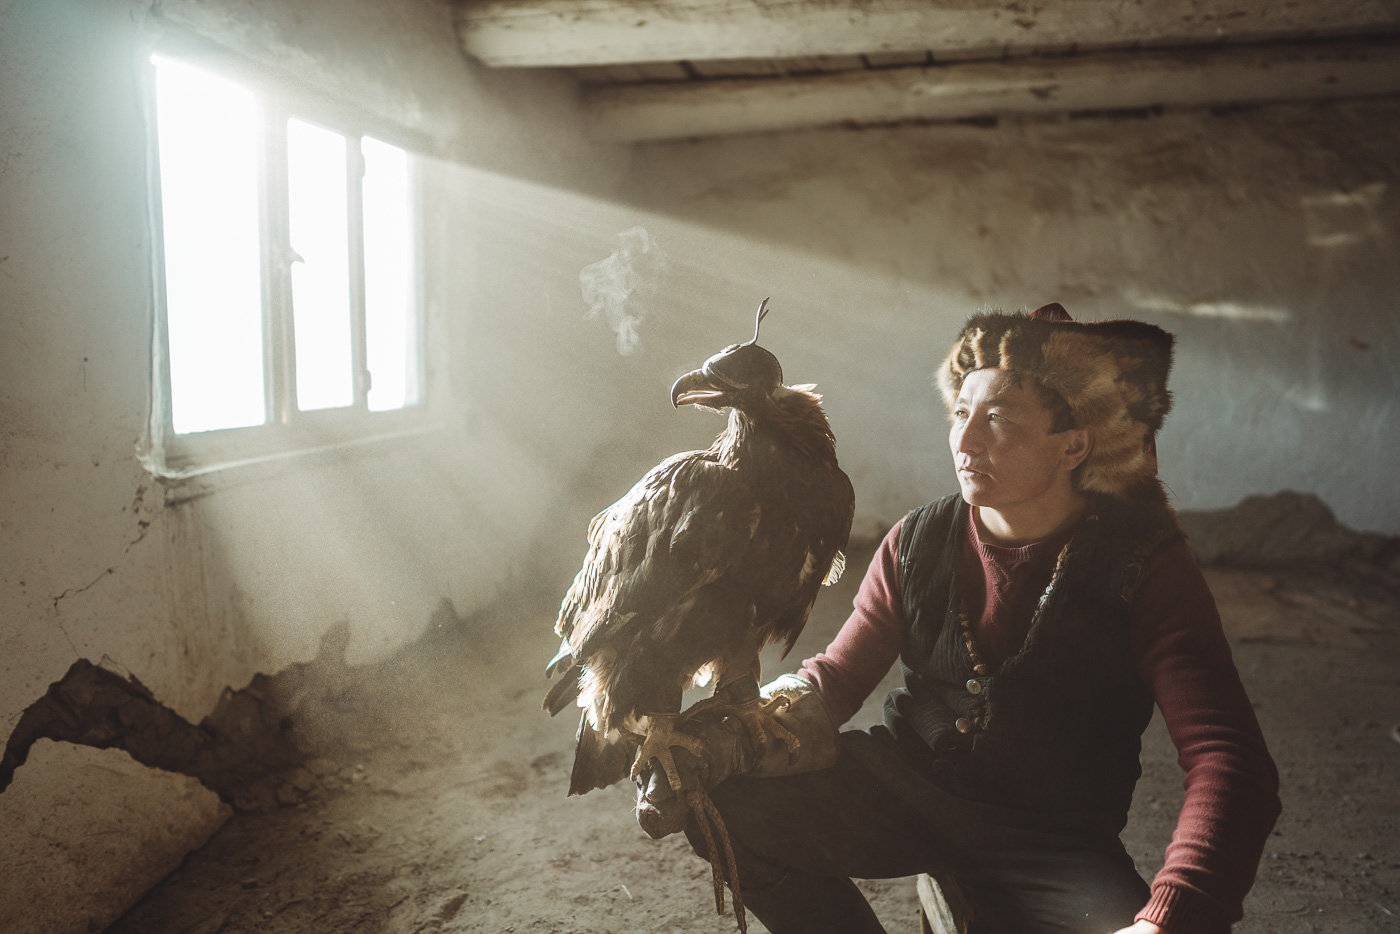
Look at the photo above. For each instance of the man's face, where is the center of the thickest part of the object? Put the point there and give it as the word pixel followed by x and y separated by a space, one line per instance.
pixel 1002 447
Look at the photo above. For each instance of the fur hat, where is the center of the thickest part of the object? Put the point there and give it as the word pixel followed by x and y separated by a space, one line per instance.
pixel 1112 376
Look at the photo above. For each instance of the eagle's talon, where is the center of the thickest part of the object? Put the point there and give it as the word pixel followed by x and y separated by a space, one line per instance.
pixel 661 735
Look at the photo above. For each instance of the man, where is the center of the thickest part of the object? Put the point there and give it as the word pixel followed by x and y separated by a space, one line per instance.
pixel 1037 618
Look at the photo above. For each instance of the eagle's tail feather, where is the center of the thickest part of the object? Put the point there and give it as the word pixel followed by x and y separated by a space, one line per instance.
pixel 600 760
pixel 564 691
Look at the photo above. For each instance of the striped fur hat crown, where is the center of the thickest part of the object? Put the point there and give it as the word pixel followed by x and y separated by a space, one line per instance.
pixel 1112 376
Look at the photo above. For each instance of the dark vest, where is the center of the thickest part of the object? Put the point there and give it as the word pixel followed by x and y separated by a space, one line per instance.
pixel 1057 728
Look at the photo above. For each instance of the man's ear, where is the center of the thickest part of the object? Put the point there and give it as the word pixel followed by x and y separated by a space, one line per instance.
pixel 1078 443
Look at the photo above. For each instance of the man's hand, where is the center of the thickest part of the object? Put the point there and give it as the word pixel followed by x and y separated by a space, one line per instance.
pixel 728 748
pixel 1141 927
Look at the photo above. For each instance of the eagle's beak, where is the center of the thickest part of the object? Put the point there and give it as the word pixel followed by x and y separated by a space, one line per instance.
pixel 694 389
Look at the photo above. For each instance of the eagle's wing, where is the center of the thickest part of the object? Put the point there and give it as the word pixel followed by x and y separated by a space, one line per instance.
pixel 828 527
pixel 682 527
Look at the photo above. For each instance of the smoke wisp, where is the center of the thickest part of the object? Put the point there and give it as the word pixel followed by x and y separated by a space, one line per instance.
pixel 620 287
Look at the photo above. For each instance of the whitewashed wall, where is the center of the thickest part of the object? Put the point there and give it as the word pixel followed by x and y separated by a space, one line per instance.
pixel 1265 239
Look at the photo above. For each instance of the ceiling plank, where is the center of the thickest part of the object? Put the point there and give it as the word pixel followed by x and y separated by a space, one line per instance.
pixel 896 59
pixel 1103 82
pixel 824 63
pixel 737 67
pixel 562 33
pixel 611 74
pixel 663 71
pixel 630 74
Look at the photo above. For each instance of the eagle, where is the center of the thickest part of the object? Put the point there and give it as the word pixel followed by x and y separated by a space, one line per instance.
pixel 711 556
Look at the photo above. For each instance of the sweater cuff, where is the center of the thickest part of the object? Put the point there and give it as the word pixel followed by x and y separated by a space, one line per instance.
pixel 1183 911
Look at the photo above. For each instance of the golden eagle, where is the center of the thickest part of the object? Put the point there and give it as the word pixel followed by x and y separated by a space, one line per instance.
pixel 711 556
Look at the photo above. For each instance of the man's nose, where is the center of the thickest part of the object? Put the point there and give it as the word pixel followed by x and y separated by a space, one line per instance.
pixel 966 438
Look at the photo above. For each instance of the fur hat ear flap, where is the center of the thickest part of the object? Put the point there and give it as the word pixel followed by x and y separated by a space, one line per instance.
pixel 1112 376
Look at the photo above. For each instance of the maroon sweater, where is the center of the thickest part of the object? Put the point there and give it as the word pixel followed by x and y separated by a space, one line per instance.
pixel 1183 659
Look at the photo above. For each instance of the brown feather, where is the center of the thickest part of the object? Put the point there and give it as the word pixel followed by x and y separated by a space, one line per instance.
pixel 711 555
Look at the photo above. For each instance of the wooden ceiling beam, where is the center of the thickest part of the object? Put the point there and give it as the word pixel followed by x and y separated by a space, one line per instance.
pixel 566 33
pixel 1102 82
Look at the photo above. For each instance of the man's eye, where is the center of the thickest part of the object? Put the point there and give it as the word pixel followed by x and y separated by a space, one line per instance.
pixel 960 413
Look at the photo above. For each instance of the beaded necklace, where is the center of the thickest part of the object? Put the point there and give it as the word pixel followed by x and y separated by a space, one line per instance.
pixel 980 667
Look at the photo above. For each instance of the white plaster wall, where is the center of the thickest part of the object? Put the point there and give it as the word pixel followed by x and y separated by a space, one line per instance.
pixel 192 587
pixel 1267 240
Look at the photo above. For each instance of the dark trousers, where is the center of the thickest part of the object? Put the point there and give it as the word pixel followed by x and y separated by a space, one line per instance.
pixel 800 839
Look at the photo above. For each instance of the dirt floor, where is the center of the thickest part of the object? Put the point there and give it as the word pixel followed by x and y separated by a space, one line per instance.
pixel 436 797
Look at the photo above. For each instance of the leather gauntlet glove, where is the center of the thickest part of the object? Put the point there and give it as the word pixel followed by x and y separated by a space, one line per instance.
pixel 731 748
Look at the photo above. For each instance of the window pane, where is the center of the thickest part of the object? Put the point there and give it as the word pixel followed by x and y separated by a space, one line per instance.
pixel 318 211
pixel 391 333
pixel 209 142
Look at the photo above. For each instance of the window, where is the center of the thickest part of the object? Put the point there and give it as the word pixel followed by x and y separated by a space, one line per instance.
pixel 288 275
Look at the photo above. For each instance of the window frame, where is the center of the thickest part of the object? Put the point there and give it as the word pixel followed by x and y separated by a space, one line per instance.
pixel 287 431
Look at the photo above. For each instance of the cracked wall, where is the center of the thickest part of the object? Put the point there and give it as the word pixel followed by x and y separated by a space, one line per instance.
pixel 197 586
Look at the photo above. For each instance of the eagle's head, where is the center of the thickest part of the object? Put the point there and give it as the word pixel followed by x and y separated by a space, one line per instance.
pixel 736 372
